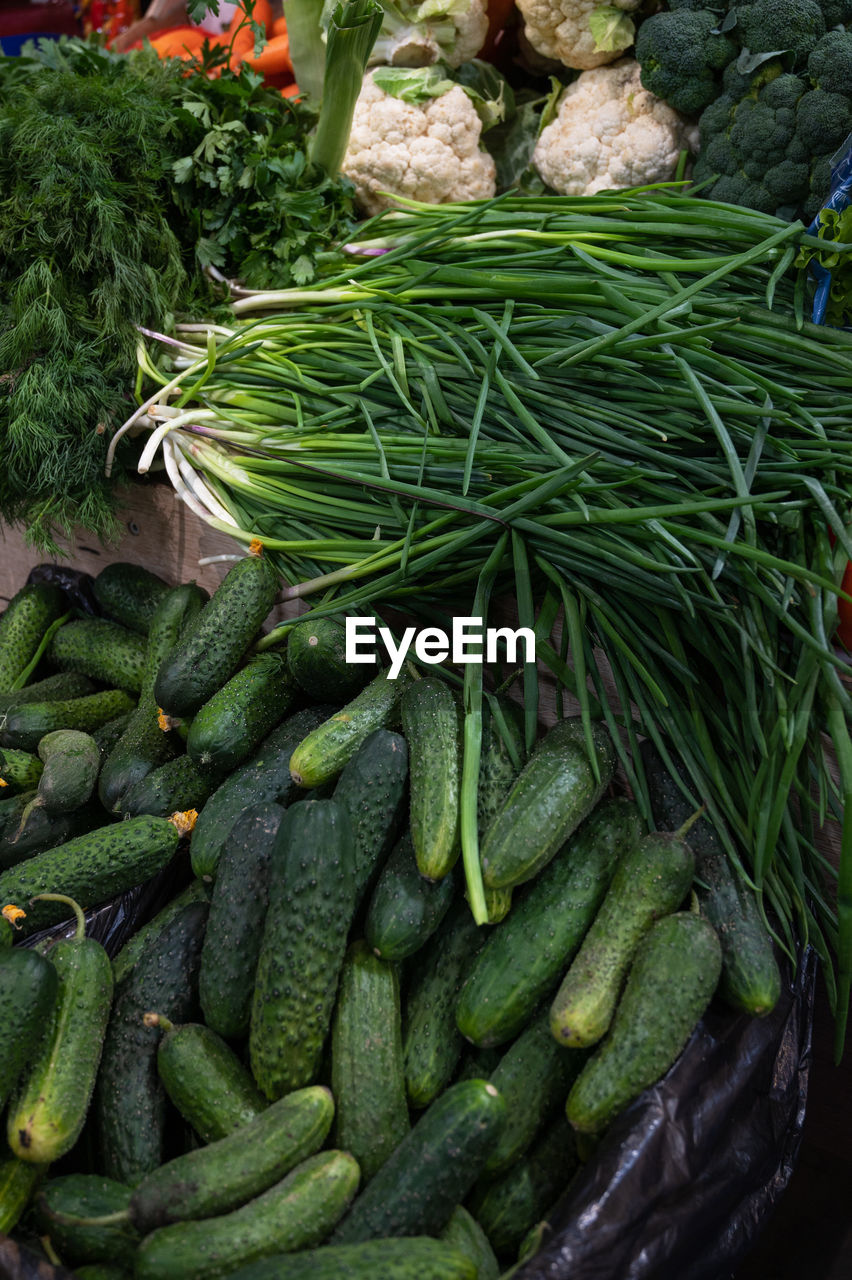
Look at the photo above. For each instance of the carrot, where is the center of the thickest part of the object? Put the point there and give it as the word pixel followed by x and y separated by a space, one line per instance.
pixel 279 27
pixel 179 41
pixel 273 58
pixel 262 14
pixel 241 44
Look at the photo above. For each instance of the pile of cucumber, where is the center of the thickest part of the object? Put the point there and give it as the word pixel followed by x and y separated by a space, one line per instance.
pixel 311 1061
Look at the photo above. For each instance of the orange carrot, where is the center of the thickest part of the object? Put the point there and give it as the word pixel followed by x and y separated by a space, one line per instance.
pixel 262 14
pixel 179 42
pixel 273 58
pixel 279 27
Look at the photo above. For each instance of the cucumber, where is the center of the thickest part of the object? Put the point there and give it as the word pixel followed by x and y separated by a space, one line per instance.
pixel 316 657
pixel 432 1042
pixel 71 762
pixel 371 788
pixel 103 650
pixel 102 1271
pixel 672 978
pixel 90 868
pixel 137 944
pixel 173 787
pixel 65 684
pixel 417 1258
pixel 266 777
pixel 464 1233
pixel 230 726
pixel 81 1196
pixel 43 831
pixel 296 1213
pixel 311 904
pixel 47 1113
pixel 651 881
pixel 28 991
pixel 430 722
pixel 18 1182
pixel 130 1100
pixel 209 655
pixel 19 771
pixel 107 735
pixel 432 1169
pixel 7 933
pixel 206 1081
pixel 497 768
pixel 751 979
pixel 552 795
pixel 321 755
pixel 218 1178
pixel 24 726
pixel 524 959
pixel 129 593
pixel 367 1077
pixel 235 927
pixel 23 623
pixel 405 909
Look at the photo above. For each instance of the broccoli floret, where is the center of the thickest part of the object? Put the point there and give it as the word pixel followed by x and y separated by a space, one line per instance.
pixel 715 118
pixel 734 82
pixel 823 120
pixel 680 58
pixel 720 157
pixel 737 189
pixel 820 185
pixel 770 25
pixel 836 12
pixel 830 63
pixel 787 182
pixel 783 93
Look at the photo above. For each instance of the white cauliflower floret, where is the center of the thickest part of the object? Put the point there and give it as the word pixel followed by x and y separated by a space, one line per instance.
pixel 416 35
pixel 560 29
pixel 609 133
pixel 429 152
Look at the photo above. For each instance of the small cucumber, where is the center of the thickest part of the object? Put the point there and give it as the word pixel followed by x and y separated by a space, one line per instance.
pixel 524 959
pixel 651 881
pixel 71 763
pixel 464 1233
pixel 65 684
pixel 367 1077
pixel 672 978
pixel 430 722
pixel 137 944
pixel 19 771
pixel 321 755
pixel 209 655
pixel 311 904
pixel 173 787
pixel 18 1182
pixel 23 623
pixel 415 1258
pixel 297 1213
pixel 235 928
pixel 205 1080
pixel 28 991
pixel 81 1196
pixel 129 593
pixel 316 657
pixel 24 726
pixel 554 792
pixel 42 831
pixel 371 788
pixel 432 1169
pixel 230 726
pixel 405 909
pixel 47 1113
pixel 103 650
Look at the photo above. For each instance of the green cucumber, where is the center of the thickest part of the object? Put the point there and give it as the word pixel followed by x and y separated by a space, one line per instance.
pixel 371 788
pixel 129 593
pixel 464 1233
pixel 24 726
pixel 367 1077
pixel 102 1271
pixel 90 868
pixel 23 623
pixel 432 1169
pixel 266 777
pixel 47 1113
pixel 174 787
pixel 672 978
pixel 432 1042
pixel 417 1258
pixel 311 904
pixel 64 1205
pixel 405 909
pixel 316 657
pixel 209 655
pixel 43 831
pixel 321 755
pixel 430 722
pixel 130 1101
pixel 18 1182
pixel 63 685
pixel 230 726
pixel 297 1213
pixel 19 771
pixel 206 1080
pixel 228 1173
pixel 554 792
pixel 71 762
pixel 651 881
pixel 137 944
pixel 7 932
pixel 28 992
pixel 237 913
pixel 103 650
pixel 500 759
pixel 525 957
pixel 107 735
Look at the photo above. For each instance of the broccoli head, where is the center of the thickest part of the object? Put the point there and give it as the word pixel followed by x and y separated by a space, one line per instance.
pixel 836 12
pixel 681 57
pixel 830 63
pixel 823 120
pixel 768 26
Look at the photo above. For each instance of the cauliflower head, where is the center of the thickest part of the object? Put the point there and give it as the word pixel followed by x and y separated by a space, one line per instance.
pixel 609 133
pixel 415 35
pixel 582 34
pixel 427 151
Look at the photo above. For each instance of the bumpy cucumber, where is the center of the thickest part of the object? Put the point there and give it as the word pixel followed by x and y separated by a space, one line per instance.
pixel 554 792
pixel 497 767
pixel 650 881
pixel 524 959
pixel 28 990
pixel 81 1196
pixel 209 655
pixel 65 684
pixel 173 787
pixel 107 735
pixel 90 868
pixel 405 909
pixel 671 980
pixel 19 771
pixel 432 1169
pixel 206 1080
pixel 367 1076
pixel 24 726
pixel 129 1098
pixel 26 618
pixel 311 904
pixel 371 789
pixel 297 1213
pixel 237 914
pixel 134 948
pixel 430 722
pixel 18 1182
pixel 71 763
pixel 266 777
pixel 316 657
pixel 321 755
pixel 129 593
pixel 464 1233
pixel 226 1174
pixel 43 831
pixel 103 650
pixel 416 1258
pixel 230 726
